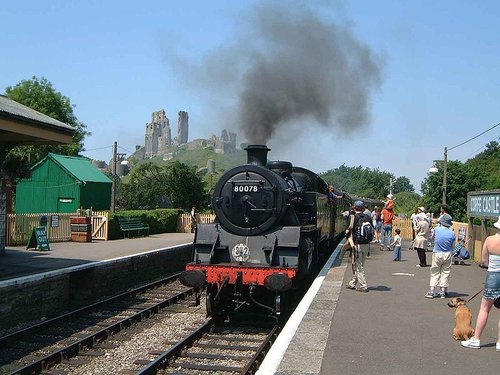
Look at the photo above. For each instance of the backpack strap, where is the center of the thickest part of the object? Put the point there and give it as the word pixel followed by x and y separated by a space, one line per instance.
pixel 351 222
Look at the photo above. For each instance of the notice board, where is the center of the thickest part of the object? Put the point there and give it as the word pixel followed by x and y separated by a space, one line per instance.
pixel 38 239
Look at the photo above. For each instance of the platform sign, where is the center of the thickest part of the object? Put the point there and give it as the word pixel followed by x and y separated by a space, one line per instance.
pixel 38 239
pixel 484 204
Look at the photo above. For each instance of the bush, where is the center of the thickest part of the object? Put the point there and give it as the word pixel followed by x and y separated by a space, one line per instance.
pixel 159 221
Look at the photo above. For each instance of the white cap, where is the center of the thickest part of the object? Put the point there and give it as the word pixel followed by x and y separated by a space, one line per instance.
pixel 497 224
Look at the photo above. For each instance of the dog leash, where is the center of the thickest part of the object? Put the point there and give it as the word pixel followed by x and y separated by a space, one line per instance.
pixel 480 290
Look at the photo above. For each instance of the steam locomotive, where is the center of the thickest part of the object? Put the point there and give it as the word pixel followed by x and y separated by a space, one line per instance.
pixel 274 222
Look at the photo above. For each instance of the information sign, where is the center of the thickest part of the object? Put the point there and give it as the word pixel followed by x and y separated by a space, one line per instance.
pixel 484 204
pixel 38 240
pixel 54 221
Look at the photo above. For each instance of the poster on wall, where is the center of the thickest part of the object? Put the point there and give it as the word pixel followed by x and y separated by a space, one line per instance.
pixel 54 221
pixel 462 233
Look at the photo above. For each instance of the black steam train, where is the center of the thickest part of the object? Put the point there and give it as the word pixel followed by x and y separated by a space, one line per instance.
pixel 274 222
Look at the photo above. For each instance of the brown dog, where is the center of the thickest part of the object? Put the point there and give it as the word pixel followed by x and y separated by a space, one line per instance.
pixel 463 320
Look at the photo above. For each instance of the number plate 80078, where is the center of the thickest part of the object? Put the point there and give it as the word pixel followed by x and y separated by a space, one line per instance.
pixel 246 188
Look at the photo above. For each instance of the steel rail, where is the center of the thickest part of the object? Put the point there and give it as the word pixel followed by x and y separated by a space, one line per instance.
pixel 71 314
pixel 253 364
pixel 175 350
pixel 89 341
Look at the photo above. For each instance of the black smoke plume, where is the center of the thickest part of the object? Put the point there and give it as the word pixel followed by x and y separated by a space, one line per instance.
pixel 289 66
pixel 301 68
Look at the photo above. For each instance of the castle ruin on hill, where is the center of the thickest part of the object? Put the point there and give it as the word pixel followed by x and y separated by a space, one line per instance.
pixel 158 137
pixel 158 134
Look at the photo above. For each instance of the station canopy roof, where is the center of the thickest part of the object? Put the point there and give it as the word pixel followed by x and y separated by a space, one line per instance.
pixel 21 125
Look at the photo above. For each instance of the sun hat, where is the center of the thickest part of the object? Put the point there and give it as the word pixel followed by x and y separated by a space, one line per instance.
pixel 390 196
pixel 445 220
pixel 497 224
pixel 359 205
pixel 422 209
pixel 421 216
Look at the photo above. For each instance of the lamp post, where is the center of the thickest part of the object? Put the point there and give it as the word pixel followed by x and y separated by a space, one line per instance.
pixel 445 172
pixel 434 169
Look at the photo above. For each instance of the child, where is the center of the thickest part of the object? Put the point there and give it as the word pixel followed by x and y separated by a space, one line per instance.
pixel 397 246
pixel 389 204
pixel 460 253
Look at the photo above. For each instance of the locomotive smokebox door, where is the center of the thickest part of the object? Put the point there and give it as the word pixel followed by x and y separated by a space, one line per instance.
pixel 250 199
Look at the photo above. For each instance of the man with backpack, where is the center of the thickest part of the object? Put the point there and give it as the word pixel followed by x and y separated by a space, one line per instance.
pixel 360 234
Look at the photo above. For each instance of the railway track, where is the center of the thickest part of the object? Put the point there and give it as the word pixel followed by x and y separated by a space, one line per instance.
pixel 36 348
pixel 215 349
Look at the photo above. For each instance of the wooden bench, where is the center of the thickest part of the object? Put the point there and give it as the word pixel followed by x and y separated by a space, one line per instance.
pixel 132 225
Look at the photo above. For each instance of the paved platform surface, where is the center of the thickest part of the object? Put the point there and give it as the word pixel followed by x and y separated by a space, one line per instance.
pixel 18 261
pixel 392 329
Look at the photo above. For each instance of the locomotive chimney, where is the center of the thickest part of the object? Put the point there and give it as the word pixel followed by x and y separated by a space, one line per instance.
pixel 257 154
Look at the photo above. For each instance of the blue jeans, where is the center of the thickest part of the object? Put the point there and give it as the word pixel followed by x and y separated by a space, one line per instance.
pixel 396 253
pixel 386 234
pixel 492 285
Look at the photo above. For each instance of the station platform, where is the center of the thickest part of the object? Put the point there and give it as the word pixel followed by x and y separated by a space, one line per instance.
pixel 19 262
pixel 392 329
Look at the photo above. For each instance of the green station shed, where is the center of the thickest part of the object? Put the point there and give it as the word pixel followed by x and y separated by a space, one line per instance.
pixel 63 184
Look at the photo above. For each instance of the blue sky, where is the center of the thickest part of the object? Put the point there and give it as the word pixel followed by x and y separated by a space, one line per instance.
pixel 119 61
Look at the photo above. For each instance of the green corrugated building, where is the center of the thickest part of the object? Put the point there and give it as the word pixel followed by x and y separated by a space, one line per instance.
pixel 61 183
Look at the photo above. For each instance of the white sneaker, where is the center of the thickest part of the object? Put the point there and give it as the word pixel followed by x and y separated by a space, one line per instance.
pixel 472 343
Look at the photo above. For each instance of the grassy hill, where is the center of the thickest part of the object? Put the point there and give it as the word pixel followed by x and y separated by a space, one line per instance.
pixel 198 158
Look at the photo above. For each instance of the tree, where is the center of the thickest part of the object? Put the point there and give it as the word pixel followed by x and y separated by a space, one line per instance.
pixel 488 164
pixel 406 203
pixel 145 189
pixel 40 95
pixel 365 182
pixel 461 178
pixel 152 186
pixel 402 184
